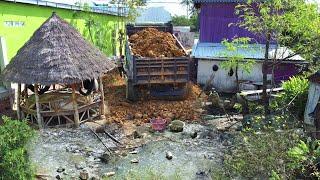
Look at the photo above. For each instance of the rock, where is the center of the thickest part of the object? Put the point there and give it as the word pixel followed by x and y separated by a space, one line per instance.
pixel 80 165
pixel 228 104
pixel 130 116
pixel 100 129
pixel 138 115
pixel 137 135
pixel 176 126
pixel 109 174
pixel 84 175
pixel 169 155
pixel 61 169
pixel 134 161
pixel 226 143
pixel 94 177
pixel 58 177
pixel 133 152
pixel 105 157
pixel 193 135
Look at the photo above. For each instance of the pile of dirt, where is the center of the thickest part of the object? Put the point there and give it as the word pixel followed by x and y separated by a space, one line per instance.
pixel 142 111
pixel 153 43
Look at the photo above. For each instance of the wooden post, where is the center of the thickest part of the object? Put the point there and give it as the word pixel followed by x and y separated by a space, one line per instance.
pixel 18 101
pixel 39 118
pixel 102 106
pixel 75 106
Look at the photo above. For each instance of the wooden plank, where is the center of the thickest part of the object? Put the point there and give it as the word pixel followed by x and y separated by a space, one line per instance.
pixel 75 106
pixel 18 101
pixel 102 104
pixel 39 118
pixel 256 92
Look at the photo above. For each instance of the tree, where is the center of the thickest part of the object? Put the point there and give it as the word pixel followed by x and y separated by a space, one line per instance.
pixel 180 21
pixel 294 23
pixel 237 60
pixel 131 6
pixel 184 21
pixel 189 4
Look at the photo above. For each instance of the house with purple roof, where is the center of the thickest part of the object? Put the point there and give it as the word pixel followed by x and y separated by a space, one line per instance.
pixel 216 18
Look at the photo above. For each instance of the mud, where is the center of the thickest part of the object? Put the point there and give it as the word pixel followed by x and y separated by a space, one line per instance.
pixel 77 150
pixel 153 43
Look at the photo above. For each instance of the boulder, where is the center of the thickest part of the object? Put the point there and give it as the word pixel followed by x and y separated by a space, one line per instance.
pixel 84 175
pixel 176 126
pixel 109 174
pixel 169 155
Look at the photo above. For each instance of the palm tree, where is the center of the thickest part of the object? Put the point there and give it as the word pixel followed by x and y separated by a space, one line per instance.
pixel 187 3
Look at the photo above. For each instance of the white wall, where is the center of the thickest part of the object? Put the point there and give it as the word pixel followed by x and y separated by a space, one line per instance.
pixel 222 82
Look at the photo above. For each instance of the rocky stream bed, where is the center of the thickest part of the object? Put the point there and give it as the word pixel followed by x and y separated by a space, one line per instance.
pixel 79 154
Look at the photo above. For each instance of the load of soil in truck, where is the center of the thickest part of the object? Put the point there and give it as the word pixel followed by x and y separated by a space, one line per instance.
pixel 153 43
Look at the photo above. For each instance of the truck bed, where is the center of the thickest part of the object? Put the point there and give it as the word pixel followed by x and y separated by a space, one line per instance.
pixel 151 72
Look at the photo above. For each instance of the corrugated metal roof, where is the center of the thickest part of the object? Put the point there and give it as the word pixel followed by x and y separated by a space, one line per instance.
pixel 153 15
pixel 219 1
pixel 253 51
pixel 103 9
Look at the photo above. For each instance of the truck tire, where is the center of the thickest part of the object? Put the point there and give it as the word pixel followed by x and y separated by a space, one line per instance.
pixel 130 91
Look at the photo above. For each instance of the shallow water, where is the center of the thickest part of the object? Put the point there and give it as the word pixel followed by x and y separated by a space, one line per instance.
pixel 76 150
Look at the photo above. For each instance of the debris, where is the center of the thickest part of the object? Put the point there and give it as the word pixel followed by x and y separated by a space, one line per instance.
pixel 94 177
pixel 138 115
pixel 193 135
pixel 80 165
pixel 169 155
pixel 176 126
pixel 134 161
pixel 105 157
pixel 84 175
pixel 58 177
pixel 61 169
pixel 137 135
pixel 100 140
pixel 151 42
pixel 109 174
pixel 133 152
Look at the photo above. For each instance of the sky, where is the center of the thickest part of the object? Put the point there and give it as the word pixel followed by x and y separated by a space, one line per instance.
pixel 173 6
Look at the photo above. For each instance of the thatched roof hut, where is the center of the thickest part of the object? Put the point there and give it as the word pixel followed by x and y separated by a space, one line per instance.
pixel 56 53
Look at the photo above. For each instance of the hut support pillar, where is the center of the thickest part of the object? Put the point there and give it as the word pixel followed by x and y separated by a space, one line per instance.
pixel 102 106
pixel 39 118
pixel 75 106
pixel 18 101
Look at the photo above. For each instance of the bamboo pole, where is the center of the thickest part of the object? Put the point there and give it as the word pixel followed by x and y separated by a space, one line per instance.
pixel 18 101
pixel 39 118
pixel 75 106
pixel 102 106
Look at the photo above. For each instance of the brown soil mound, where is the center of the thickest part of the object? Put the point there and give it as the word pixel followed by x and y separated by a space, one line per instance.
pixel 142 111
pixel 153 43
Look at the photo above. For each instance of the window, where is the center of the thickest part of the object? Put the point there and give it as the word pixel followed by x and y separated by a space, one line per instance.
pixel 14 23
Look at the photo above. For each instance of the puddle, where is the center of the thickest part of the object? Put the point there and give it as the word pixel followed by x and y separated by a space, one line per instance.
pixel 75 150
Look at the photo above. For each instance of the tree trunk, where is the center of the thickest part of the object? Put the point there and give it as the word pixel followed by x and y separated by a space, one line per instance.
pixel 237 77
pixel 39 117
pixel 265 79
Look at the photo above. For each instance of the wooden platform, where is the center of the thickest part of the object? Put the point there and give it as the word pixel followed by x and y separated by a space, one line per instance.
pixel 57 108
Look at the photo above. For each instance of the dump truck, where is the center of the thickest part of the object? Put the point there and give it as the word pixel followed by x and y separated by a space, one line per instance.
pixel 155 77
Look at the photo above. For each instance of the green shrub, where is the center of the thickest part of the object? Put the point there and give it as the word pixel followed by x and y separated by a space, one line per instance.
pixel 14 161
pixel 260 155
pixel 305 159
pixel 294 97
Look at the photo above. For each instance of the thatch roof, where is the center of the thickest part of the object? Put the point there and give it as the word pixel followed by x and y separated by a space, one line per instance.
pixel 57 53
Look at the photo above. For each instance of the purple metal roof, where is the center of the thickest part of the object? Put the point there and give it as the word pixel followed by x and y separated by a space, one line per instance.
pixel 216 23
